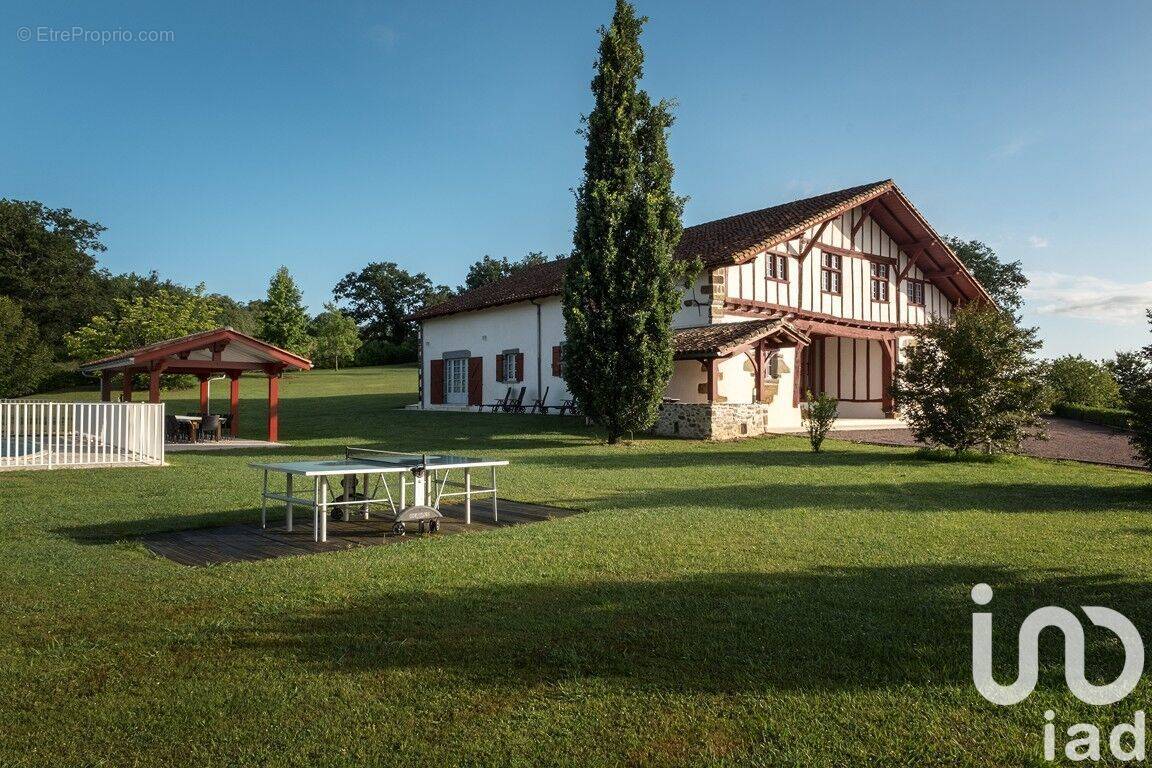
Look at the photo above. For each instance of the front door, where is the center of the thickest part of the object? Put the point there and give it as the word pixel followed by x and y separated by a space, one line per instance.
pixel 456 381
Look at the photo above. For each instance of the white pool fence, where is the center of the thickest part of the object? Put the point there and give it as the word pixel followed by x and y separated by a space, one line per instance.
pixel 38 434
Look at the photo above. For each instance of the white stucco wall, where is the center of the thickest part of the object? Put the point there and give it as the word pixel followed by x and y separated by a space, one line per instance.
pixel 487 333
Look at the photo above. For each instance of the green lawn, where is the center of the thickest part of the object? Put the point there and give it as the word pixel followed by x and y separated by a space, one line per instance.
pixel 731 603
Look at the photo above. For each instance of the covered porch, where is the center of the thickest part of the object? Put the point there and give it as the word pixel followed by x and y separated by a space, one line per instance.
pixel 222 352
pixel 733 379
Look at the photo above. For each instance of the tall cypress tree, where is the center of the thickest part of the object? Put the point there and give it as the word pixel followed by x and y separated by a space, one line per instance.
pixel 623 285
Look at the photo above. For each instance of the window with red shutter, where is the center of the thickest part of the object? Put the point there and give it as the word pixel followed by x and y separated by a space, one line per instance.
pixel 475 380
pixel 519 366
pixel 557 361
pixel 500 368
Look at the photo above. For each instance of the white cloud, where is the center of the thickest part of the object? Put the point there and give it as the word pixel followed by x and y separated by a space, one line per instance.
pixel 1088 298
pixel 1038 242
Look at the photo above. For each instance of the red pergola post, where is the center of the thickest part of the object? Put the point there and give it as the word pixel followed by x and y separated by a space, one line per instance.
pixel 105 386
pixel 203 393
pixel 234 404
pixel 126 387
pixel 273 407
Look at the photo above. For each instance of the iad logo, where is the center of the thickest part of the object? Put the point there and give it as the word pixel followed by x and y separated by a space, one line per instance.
pixel 1029 663
pixel 1126 741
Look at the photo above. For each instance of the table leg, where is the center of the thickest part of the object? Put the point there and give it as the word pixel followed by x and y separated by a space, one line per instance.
pixel 288 507
pixel 323 509
pixel 316 509
pixel 345 495
pixel 403 491
pixel 468 496
pixel 366 504
pixel 264 502
pixel 495 519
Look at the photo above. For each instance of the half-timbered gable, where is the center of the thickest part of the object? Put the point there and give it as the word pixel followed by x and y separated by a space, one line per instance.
pixel 855 271
pixel 812 295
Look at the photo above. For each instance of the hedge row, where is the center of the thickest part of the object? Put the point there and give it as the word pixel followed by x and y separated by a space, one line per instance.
pixel 1108 417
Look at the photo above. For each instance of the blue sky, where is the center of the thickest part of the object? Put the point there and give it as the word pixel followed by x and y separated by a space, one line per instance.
pixel 326 135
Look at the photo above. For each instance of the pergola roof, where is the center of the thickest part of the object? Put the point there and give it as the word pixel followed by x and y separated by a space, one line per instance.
pixel 220 350
pixel 724 339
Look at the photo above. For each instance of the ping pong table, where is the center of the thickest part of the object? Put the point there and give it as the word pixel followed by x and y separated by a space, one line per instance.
pixel 427 475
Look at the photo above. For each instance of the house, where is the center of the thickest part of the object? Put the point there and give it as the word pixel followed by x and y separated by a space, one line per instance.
pixel 817 294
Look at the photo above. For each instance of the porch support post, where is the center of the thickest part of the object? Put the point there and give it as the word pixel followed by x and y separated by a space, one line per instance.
pixel 759 372
pixel 234 404
pixel 154 384
pixel 888 369
pixel 203 393
pixel 710 367
pixel 126 387
pixel 105 386
pixel 273 406
pixel 798 375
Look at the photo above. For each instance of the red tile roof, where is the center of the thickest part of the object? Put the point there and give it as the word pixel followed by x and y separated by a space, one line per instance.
pixel 725 241
pixel 721 338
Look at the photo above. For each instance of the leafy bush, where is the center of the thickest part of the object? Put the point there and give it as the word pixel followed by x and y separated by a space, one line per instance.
pixel 1108 417
pixel 970 382
pixel 819 417
pixel 1076 379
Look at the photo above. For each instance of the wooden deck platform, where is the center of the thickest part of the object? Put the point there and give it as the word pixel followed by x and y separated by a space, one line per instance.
pixel 248 542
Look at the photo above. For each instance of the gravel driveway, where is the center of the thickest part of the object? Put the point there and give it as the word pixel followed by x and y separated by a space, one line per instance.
pixel 1067 439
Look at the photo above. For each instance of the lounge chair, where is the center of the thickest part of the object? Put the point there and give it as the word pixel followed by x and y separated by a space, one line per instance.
pixel 500 404
pixel 568 406
pixel 538 405
pixel 517 405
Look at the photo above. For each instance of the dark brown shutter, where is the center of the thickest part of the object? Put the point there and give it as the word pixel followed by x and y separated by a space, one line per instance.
pixel 475 380
pixel 556 361
pixel 436 387
pixel 499 367
pixel 519 366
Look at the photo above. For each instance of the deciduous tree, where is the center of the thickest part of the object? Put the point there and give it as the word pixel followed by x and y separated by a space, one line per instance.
pixel 48 266
pixel 335 336
pixel 381 295
pixel 1003 280
pixel 166 314
pixel 971 382
pixel 1077 380
pixel 25 361
pixel 1137 395
pixel 489 270
pixel 622 285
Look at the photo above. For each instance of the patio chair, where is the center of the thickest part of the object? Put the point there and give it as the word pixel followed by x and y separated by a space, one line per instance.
pixel 517 405
pixel 569 406
pixel 173 431
pixel 538 405
pixel 499 404
pixel 210 427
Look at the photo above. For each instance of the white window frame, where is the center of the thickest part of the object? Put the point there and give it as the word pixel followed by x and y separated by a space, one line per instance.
pixel 456 381
pixel 510 366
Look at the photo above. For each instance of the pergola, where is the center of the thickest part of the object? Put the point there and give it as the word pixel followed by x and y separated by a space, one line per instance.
pixel 221 351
